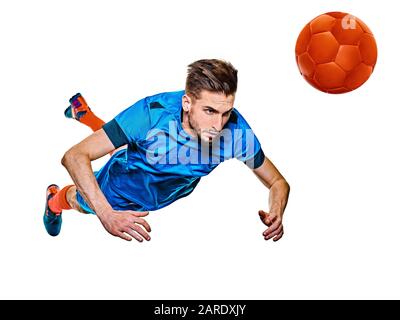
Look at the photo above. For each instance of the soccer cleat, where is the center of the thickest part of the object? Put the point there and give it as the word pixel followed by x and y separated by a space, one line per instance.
pixel 52 221
pixel 77 108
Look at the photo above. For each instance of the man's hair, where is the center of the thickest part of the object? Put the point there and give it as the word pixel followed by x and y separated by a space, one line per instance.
pixel 211 75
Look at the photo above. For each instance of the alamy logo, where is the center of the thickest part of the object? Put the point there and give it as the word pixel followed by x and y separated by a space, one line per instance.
pixel 349 22
pixel 172 146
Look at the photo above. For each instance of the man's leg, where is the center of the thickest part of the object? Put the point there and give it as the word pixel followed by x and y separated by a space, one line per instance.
pixel 65 199
pixel 56 201
pixel 80 111
pixel 73 202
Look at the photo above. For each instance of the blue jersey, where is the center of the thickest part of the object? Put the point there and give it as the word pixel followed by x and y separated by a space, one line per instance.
pixel 162 162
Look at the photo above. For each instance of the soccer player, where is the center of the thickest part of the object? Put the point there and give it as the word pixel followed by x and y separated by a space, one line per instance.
pixel 160 148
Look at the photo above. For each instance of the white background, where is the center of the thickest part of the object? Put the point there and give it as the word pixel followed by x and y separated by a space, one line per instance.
pixel 338 152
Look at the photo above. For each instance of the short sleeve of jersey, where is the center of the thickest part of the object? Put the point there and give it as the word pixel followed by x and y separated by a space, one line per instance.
pixel 129 126
pixel 247 148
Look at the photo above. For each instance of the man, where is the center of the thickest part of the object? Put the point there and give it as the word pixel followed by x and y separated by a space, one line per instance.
pixel 160 148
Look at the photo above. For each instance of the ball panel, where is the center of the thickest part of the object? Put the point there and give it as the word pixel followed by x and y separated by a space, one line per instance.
pixel 348 57
pixel 368 49
pixel 364 26
pixel 303 40
pixel 323 23
pixel 329 75
pixel 347 32
pixel 306 65
pixel 323 47
pixel 338 90
pixel 314 83
pixel 358 76
pixel 337 15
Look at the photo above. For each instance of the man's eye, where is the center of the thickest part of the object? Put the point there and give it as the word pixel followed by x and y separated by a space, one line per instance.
pixel 208 111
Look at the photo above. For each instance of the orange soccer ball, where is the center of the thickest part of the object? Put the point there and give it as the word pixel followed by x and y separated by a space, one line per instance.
pixel 336 52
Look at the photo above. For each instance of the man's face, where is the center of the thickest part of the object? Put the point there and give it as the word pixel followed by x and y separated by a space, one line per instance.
pixel 208 114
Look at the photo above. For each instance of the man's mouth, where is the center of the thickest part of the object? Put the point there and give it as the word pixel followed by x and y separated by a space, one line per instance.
pixel 212 133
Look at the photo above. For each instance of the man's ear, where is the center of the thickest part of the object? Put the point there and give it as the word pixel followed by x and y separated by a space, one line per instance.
pixel 186 103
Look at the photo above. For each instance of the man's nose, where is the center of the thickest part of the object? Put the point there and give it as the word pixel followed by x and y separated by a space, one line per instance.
pixel 218 124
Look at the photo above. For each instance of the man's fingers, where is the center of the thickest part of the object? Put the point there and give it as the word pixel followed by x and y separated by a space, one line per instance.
pixel 265 217
pixel 133 234
pixel 278 236
pixel 143 223
pixel 274 226
pixel 139 214
pixel 140 230
pixel 123 236
pixel 271 229
pixel 274 233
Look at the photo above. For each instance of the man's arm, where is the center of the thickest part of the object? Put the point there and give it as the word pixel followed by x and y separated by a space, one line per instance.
pixel 278 198
pixel 77 161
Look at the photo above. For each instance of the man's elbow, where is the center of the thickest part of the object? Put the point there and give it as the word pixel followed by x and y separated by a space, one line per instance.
pixel 71 156
pixel 287 187
pixel 283 185
pixel 66 158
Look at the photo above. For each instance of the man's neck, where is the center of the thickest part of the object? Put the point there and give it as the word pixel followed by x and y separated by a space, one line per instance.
pixel 186 125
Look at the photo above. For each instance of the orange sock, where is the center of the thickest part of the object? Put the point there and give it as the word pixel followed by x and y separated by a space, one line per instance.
pixel 92 121
pixel 59 202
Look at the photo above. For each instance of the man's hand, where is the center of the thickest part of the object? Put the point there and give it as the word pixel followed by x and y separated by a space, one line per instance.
pixel 126 224
pixel 274 223
pixel 278 198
